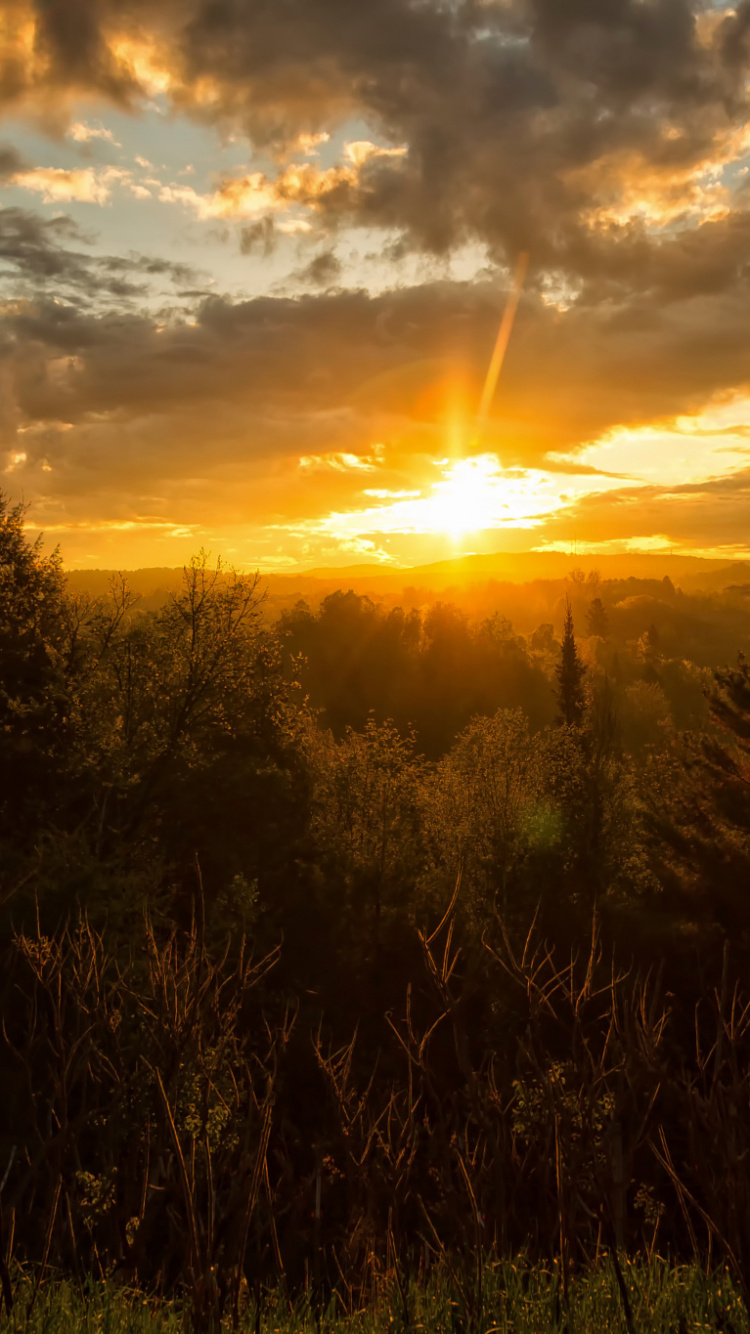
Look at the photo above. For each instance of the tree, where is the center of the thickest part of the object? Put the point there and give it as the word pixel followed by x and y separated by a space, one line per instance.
pixel 597 621
pixel 164 696
pixel 648 646
pixel 484 817
pixel 132 740
pixel 570 672
pixel 366 831
pixel 32 636
pixel 543 639
pixel 699 807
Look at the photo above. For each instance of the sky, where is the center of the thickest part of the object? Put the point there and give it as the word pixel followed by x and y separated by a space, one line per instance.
pixel 255 255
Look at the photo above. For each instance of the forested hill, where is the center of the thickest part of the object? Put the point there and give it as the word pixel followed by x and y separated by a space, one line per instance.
pixel 372 935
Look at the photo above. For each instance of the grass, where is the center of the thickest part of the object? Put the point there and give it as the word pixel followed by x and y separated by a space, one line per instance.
pixel 675 1299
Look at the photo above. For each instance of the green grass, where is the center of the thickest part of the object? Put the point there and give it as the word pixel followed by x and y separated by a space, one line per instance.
pixel 516 1300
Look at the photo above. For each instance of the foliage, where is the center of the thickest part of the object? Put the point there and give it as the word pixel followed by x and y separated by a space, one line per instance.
pixel 487 815
pixel 343 1004
pixel 32 669
pixel 159 719
pixel 159 1091
pixel 700 810
pixel 365 826
pixel 431 671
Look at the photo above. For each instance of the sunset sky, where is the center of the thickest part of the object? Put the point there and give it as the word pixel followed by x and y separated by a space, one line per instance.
pixel 254 256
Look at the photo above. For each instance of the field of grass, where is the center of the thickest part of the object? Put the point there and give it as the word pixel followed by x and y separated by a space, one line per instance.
pixel 515 1299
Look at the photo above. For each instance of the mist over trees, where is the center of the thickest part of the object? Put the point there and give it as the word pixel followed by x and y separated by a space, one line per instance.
pixel 397 907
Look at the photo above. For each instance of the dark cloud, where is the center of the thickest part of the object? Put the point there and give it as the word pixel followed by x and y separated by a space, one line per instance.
pixel 72 48
pixel 623 48
pixel 521 119
pixel 11 162
pixel 324 270
pixel 258 238
pixel 735 38
pixel 37 251
pixel 34 247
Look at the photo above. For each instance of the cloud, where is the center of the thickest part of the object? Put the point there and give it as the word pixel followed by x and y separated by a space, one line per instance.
pixel 63 47
pixel 701 516
pixel 11 163
pixel 83 134
pixel 599 370
pixel 37 252
pixel 35 247
pixel 324 270
pixel 260 238
pixel 91 185
pixel 608 138
pixel 244 197
pixel 88 185
pixel 310 143
pixel 304 185
pixel 55 184
pixel 567 128
pixel 340 462
pixel 360 151
pixel 216 410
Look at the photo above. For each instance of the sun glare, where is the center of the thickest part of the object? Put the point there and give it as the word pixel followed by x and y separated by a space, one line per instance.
pixel 467 498
pixel 475 494
pixel 470 496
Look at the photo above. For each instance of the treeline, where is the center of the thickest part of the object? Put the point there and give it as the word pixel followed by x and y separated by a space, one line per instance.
pixel 323 998
pixel 436 668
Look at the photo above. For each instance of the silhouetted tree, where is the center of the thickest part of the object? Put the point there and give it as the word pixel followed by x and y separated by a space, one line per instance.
pixel 570 672
pixel 597 621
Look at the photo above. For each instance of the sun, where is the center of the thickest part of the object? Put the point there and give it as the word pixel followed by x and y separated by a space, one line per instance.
pixel 471 495
pixel 467 498
pixel 475 494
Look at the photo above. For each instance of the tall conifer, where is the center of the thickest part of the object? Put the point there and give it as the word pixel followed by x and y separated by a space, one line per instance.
pixel 570 672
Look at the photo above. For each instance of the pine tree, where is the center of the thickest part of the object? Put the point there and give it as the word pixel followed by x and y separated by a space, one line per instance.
pixel 570 672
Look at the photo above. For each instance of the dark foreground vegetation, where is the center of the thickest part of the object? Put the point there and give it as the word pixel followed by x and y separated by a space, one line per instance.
pixel 517 1300
pixel 357 1011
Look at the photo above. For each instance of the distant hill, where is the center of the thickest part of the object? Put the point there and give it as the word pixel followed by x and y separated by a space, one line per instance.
pixel 521 567
pixel 692 573
pixel 98 582
pixel 727 577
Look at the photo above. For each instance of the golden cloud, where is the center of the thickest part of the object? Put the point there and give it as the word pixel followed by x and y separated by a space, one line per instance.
pixel 55 184
pixel 302 184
